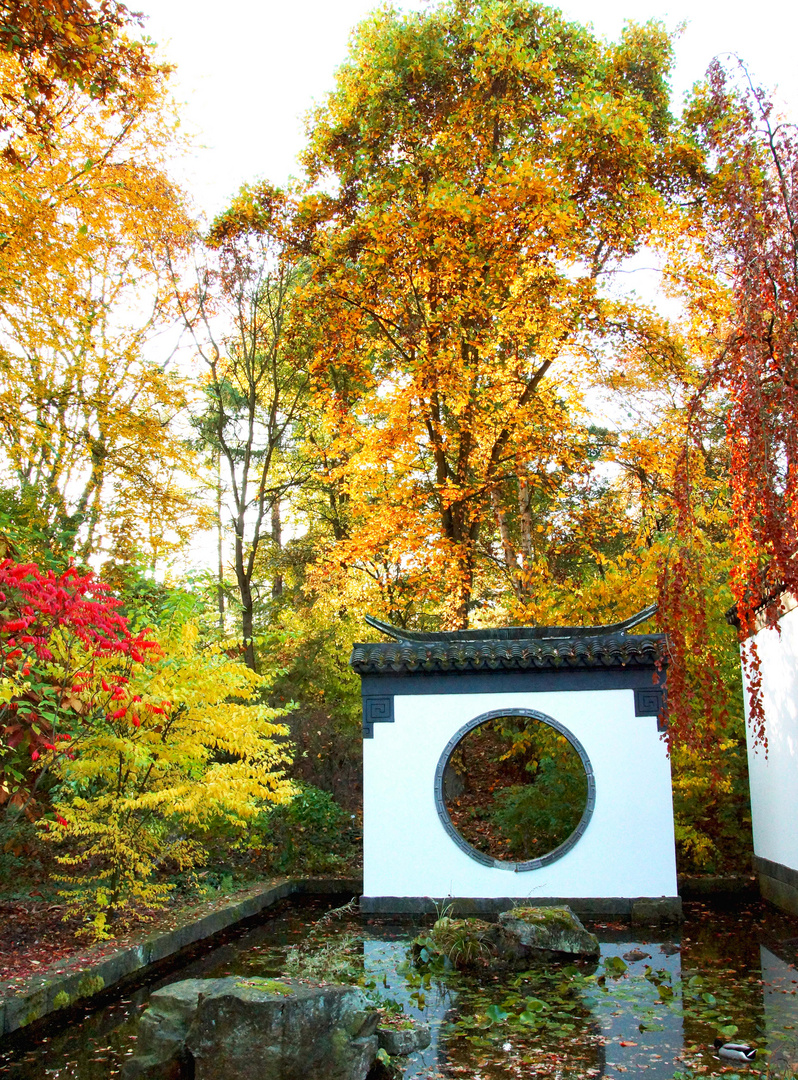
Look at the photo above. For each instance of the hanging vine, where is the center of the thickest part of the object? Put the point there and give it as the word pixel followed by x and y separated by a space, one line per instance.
pixel 751 212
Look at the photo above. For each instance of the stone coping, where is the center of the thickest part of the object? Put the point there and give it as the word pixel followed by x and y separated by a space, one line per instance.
pixel 707 886
pixel 93 971
pixel 640 910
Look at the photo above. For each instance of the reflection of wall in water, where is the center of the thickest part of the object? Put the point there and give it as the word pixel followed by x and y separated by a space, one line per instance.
pixel 617 1016
pixel 779 985
pixel 382 956
pixel 619 1019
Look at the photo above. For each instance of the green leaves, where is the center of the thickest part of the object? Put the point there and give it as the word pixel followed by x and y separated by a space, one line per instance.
pixel 495 1014
pixel 614 966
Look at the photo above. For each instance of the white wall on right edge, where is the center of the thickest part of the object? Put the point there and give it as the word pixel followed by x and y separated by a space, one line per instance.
pixel 774 774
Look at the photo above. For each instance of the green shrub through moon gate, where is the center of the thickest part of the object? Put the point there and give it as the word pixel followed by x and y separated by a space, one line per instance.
pixel 515 788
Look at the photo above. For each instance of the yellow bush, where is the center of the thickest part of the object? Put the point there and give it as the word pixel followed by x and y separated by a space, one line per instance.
pixel 190 745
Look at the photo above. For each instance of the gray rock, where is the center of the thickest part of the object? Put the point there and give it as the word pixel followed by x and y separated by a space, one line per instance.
pixel 163 1028
pixel 261 1029
pixel 527 931
pixel 273 1029
pixel 402 1041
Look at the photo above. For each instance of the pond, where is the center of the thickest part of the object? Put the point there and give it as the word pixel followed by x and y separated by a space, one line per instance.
pixel 651 1007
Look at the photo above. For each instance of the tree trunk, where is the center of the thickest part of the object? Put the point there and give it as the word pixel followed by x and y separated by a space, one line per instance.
pixel 247 604
pixel 247 613
pixel 525 515
pixel 277 539
pixel 464 587
pixel 510 555
pixel 219 543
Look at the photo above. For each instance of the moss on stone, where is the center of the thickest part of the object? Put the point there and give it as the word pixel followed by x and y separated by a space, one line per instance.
pixel 268 986
pixel 545 915
pixel 90 984
pixel 340 1047
pixel 61 1000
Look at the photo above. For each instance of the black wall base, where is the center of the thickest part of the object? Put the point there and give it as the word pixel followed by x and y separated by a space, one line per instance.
pixel 640 910
pixel 778 884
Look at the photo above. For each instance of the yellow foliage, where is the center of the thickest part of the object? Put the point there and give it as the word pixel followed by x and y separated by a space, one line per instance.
pixel 193 747
pixel 87 218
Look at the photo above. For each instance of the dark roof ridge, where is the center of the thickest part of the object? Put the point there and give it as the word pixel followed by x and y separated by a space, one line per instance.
pixel 511 633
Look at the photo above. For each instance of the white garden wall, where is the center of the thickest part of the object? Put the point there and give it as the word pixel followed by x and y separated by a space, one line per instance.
pixel 773 772
pixel 627 849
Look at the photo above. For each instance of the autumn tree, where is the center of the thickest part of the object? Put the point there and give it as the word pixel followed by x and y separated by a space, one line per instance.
pixel 55 631
pixel 128 744
pixel 739 286
pixel 474 174
pixel 88 401
pixel 253 384
pixel 88 45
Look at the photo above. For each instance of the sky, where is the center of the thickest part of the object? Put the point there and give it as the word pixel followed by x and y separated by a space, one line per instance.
pixel 249 70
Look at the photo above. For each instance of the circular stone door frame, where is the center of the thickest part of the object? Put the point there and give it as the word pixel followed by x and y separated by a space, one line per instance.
pixel 469 849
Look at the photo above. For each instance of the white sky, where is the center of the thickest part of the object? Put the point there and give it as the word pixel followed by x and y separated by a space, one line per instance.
pixel 248 71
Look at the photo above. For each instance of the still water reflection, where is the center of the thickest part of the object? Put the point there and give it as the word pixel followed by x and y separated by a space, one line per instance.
pixel 650 1009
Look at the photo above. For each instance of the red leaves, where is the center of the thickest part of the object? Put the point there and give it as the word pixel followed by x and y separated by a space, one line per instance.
pixel 751 212
pixel 87 618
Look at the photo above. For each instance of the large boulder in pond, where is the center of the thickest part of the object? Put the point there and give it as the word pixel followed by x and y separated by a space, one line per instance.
pixel 282 1031
pixel 163 1028
pixel 240 1028
pixel 527 932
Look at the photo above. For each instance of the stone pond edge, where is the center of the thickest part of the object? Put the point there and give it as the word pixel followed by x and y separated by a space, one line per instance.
pixel 54 988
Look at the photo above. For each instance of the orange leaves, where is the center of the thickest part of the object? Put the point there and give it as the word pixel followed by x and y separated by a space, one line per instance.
pixel 453 266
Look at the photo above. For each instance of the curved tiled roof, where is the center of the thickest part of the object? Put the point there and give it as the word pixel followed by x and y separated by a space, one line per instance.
pixel 451 654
